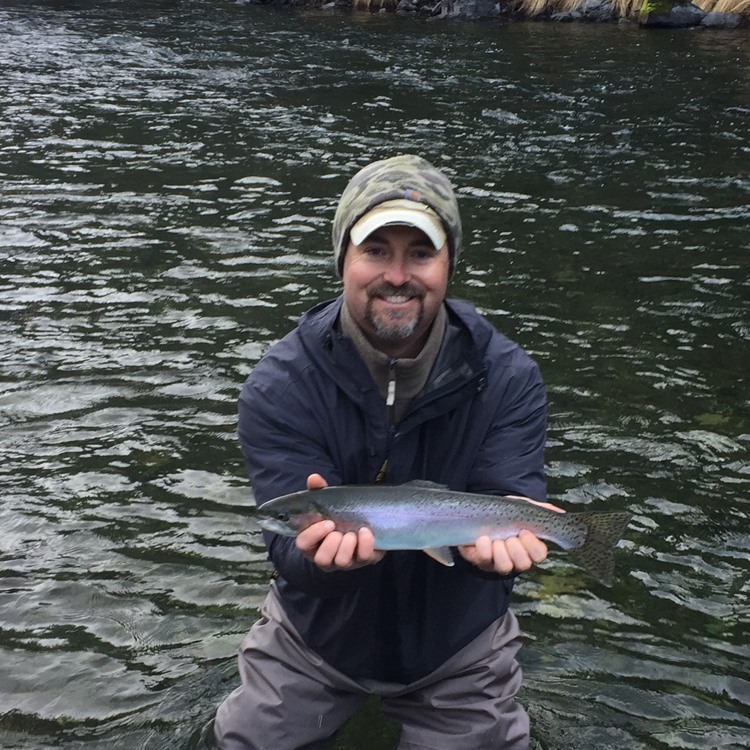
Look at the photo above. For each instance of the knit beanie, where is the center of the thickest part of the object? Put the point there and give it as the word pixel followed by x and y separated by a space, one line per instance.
pixel 405 177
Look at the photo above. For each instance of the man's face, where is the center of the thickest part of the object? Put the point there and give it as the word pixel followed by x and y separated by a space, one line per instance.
pixel 394 284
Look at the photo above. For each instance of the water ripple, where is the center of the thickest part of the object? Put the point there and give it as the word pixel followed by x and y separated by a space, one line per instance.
pixel 169 176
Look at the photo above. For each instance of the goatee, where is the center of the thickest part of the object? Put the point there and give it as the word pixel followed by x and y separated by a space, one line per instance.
pixel 395 326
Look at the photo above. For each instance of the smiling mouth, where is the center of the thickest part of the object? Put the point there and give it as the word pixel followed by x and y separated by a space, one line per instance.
pixel 397 299
pixel 399 315
pixel 397 295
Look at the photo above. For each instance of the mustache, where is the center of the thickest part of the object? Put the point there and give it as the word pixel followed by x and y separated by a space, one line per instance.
pixel 406 290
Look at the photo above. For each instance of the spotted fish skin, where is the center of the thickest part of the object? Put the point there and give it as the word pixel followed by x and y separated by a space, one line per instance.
pixel 425 516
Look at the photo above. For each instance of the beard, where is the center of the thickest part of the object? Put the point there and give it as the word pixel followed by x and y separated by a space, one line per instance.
pixel 394 325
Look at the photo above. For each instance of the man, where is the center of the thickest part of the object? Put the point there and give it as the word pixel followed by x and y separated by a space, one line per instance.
pixel 389 383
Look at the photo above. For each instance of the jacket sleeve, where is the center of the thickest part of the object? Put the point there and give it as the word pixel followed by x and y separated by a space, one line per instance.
pixel 510 460
pixel 283 443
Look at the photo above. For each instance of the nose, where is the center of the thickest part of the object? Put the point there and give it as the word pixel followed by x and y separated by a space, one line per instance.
pixel 397 272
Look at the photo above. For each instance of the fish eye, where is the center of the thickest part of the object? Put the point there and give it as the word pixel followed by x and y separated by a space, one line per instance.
pixel 283 517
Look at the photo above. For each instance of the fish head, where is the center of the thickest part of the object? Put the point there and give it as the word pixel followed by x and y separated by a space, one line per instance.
pixel 288 518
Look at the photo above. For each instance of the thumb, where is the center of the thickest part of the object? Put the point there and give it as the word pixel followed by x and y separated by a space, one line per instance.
pixel 316 482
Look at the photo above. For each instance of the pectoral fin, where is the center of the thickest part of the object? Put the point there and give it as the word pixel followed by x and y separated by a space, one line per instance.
pixel 442 555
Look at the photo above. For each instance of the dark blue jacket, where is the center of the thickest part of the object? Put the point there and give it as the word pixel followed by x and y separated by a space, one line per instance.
pixel 310 405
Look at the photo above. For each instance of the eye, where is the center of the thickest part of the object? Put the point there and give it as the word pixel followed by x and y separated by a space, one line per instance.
pixel 283 517
pixel 374 251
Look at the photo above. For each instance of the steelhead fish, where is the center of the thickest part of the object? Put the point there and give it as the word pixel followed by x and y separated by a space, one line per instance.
pixel 425 516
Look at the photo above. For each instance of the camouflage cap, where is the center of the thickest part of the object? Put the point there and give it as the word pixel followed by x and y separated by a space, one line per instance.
pixel 400 177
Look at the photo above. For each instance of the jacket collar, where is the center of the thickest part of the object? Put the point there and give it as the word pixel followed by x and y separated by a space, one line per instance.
pixel 460 360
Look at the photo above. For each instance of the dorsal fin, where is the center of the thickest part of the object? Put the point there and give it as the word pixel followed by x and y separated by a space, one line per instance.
pixel 426 484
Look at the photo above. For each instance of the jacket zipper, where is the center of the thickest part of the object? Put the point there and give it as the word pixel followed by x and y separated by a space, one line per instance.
pixel 390 398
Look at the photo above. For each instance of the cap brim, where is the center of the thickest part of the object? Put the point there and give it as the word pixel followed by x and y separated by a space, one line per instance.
pixel 429 223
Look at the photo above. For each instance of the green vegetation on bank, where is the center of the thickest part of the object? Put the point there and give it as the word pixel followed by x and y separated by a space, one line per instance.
pixel 627 8
pixel 621 8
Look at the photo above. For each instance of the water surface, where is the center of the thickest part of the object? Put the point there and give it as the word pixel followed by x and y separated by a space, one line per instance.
pixel 169 172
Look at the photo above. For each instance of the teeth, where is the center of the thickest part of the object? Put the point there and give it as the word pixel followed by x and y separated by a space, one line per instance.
pixel 393 299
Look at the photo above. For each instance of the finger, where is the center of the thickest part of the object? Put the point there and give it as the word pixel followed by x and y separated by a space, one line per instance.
pixel 468 552
pixel 309 540
pixel 345 554
pixel 366 552
pixel 549 506
pixel 502 561
pixel 480 553
pixel 326 552
pixel 483 551
pixel 365 545
pixel 316 482
pixel 516 552
pixel 534 546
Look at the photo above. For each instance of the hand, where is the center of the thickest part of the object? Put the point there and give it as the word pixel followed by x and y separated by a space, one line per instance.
pixel 333 550
pixel 516 554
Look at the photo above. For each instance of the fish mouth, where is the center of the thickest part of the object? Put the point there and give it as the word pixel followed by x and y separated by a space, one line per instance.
pixel 291 522
pixel 267 523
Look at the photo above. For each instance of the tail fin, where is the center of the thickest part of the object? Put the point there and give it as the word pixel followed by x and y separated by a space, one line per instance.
pixel 596 554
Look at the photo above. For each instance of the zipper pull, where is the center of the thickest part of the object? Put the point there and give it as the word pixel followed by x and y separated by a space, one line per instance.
pixel 391 397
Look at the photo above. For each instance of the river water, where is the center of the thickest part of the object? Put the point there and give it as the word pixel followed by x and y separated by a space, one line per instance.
pixel 169 171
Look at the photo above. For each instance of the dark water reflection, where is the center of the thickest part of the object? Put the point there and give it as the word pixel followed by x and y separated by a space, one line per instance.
pixel 169 171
